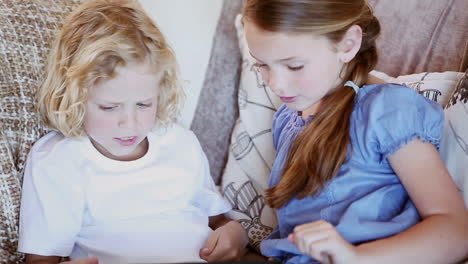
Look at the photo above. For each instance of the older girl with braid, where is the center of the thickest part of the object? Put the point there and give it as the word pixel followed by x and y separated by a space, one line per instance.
pixel 357 176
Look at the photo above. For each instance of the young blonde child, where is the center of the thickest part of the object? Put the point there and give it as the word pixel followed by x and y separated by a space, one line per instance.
pixel 118 179
pixel 357 176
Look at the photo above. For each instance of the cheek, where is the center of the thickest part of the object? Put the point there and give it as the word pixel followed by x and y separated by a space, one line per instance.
pixel 307 81
pixel 148 117
pixel 99 122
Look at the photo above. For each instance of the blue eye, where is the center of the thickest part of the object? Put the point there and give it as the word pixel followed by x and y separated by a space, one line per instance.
pixel 297 68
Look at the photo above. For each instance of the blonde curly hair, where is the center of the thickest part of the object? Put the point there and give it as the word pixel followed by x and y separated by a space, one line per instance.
pixel 97 38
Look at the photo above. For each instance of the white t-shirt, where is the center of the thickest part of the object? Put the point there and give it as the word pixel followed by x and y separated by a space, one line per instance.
pixel 78 203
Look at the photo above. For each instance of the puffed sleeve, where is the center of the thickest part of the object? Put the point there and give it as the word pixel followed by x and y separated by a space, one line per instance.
pixel 52 202
pixel 393 115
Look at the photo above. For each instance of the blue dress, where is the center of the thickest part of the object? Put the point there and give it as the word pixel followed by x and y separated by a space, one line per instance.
pixel 366 200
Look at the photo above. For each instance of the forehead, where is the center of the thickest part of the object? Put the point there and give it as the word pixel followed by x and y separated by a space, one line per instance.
pixel 271 46
pixel 134 81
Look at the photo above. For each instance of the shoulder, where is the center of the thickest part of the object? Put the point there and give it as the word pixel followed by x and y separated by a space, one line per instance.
pixel 175 137
pixel 56 145
pixel 391 115
pixel 384 99
pixel 174 133
pixel 56 158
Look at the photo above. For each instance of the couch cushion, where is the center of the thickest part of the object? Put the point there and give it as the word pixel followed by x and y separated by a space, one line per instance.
pixel 454 144
pixel 251 153
pixel 26 31
pixel 216 110
pixel 437 86
pixel 417 36
pixel 422 36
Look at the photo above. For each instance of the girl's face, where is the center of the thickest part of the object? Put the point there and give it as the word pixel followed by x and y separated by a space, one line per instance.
pixel 299 68
pixel 121 111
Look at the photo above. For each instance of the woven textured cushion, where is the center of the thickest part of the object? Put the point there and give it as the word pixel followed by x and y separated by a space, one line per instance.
pixel 27 29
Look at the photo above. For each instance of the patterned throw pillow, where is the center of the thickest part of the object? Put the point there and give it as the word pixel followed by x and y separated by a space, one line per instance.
pixel 252 154
pixel 437 86
pixel 26 32
pixel 454 144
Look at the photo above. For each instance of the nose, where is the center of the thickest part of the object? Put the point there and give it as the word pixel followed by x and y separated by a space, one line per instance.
pixel 128 119
pixel 273 80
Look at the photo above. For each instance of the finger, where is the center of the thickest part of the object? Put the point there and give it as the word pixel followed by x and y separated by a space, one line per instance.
pixel 332 249
pixel 326 259
pixel 225 250
pixel 93 260
pixel 304 239
pixel 311 232
pixel 321 250
pixel 209 245
pixel 317 225
pixel 220 253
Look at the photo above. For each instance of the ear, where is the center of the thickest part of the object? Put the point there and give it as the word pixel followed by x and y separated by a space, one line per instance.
pixel 349 46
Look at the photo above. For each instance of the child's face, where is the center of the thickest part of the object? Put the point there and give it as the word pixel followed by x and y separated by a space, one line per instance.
pixel 121 111
pixel 299 68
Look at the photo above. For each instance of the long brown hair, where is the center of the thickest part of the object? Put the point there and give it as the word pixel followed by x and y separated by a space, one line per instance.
pixel 318 152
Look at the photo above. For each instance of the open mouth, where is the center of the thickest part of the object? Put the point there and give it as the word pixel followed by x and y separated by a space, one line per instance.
pixel 126 141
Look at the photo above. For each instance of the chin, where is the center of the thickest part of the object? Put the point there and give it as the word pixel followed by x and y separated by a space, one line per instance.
pixel 122 153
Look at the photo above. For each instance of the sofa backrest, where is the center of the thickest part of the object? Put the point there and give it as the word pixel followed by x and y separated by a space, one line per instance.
pixel 417 36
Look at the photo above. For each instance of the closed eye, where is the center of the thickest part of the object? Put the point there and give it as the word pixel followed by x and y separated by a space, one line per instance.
pixel 107 108
pixel 296 68
pixel 141 105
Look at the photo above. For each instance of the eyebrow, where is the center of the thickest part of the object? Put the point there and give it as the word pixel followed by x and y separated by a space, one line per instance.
pixel 280 60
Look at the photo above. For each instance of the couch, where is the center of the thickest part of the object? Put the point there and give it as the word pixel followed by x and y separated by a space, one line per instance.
pixel 424 44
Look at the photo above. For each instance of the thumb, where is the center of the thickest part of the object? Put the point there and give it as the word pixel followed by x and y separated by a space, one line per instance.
pixel 92 260
pixel 209 245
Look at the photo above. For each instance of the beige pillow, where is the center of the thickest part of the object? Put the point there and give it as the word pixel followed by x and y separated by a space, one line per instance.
pixel 252 153
pixel 26 31
pixel 437 86
pixel 454 144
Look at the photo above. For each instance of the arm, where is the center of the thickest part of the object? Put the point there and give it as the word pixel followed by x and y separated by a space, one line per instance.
pixel 227 242
pixel 37 259
pixel 441 237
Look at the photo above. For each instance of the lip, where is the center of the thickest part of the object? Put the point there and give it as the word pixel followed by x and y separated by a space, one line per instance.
pixel 287 99
pixel 126 142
